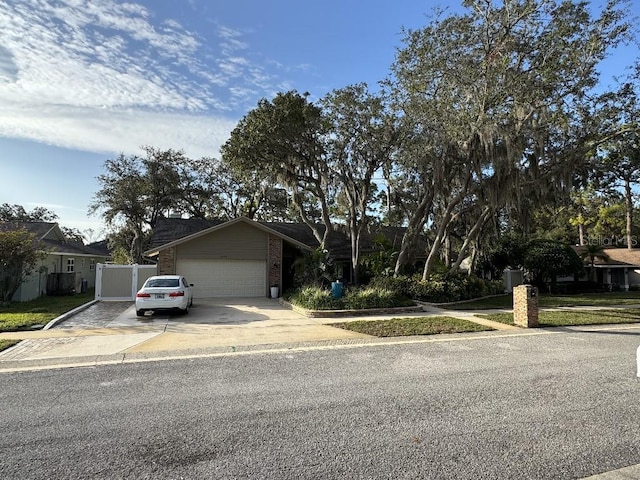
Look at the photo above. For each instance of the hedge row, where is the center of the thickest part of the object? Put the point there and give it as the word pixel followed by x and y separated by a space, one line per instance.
pixel 388 292
pixel 440 289
pixel 318 298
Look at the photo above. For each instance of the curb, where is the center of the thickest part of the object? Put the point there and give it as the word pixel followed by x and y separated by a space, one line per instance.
pixel 626 473
pixel 69 314
pixel 9 366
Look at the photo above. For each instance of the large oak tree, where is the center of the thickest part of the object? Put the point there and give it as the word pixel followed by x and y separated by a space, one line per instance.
pixel 495 97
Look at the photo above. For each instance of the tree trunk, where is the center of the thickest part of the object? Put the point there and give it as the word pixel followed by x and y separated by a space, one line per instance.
pixel 581 233
pixel 629 205
pixel 445 222
pixel 471 237
pixel 447 250
pixel 437 243
pixel 416 223
pixel 355 255
pixel 322 237
pixel 136 247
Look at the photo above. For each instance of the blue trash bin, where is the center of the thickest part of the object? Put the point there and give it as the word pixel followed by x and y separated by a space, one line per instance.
pixel 337 289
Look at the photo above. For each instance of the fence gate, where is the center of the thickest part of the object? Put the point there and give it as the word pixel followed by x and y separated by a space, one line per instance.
pixel 120 283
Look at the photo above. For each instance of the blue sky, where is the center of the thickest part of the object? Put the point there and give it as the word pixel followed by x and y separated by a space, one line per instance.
pixel 83 80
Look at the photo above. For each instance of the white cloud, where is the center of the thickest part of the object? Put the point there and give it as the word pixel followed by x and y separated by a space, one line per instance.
pixel 115 131
pixel 100 75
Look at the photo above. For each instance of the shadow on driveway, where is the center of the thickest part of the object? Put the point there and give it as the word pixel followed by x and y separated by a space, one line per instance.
pixel 209 311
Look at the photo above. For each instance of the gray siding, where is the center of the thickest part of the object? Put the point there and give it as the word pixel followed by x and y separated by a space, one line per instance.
pixel 236 242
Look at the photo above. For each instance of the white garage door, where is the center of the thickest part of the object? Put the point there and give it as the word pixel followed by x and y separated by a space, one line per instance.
pixel 225 278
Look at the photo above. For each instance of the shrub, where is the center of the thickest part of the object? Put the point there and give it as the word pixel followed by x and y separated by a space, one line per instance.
pixel 547 259
pixel 372 297
pixel 399 285
pixel 317 298
pixel 441 288
pixel 387 292
pixel 314 298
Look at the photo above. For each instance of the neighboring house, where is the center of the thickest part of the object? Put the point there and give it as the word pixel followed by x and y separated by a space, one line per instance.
pixel 241 257
pixel 621 267
pixel 62 256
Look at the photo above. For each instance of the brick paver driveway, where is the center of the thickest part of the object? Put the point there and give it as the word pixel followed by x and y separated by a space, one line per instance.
pixel 98 315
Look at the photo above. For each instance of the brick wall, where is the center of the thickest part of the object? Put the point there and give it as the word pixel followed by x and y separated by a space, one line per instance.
pixel 525 306
pixel 274 261
pixel 167 262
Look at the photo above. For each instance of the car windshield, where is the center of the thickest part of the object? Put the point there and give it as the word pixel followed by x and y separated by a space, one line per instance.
pixel 162 282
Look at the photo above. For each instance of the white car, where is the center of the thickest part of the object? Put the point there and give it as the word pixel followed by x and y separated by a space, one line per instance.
pixel 164 292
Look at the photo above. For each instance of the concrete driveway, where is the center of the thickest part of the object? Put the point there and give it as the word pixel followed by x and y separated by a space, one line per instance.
pixel 222 324
pixel 205 311
pixel 233 322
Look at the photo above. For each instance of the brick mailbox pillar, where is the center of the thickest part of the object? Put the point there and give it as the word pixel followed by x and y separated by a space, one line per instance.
pixel 525 306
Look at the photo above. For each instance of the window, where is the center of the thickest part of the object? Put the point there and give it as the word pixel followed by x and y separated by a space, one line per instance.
pixel 83 260
pixel 163 282
pixel 92 264
pixel 71 265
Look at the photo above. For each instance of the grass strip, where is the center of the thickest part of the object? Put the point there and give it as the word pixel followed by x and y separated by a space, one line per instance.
pixel 24 315
pixel 4 344
pixel 399 327
pixel 587 299
pixel 574 318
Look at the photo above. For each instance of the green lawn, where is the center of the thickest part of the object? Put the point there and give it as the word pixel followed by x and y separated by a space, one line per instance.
pixel 4 344
pixel 589 299
pixel 583 317
pixel 398 327
pixel 22 316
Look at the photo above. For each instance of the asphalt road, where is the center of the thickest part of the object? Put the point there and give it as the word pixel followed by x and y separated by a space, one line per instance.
pixel 562 405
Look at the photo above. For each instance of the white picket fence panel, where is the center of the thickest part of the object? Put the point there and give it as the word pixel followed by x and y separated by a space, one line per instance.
pixel 119 283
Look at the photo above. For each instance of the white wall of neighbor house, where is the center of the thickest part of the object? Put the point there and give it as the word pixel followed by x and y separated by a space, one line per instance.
pixel 83 267
pixel 35 285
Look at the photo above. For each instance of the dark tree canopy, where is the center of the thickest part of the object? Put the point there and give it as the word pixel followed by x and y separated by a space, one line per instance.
pixel 11 213
pixel 495 103
pixel 282 140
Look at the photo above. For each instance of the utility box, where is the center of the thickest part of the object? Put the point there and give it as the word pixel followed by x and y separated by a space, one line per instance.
pixel 337 289
pixel 525 306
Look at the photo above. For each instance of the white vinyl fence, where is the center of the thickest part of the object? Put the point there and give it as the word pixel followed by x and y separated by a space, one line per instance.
pixel 512 278
pixel 120 283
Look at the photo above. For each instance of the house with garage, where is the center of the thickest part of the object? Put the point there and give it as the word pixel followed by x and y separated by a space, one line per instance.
pixel 68 266
pixel 240 257
pixel 237 258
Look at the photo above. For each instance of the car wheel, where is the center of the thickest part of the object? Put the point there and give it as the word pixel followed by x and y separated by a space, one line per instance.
pixel 185 310
pixel 140 313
